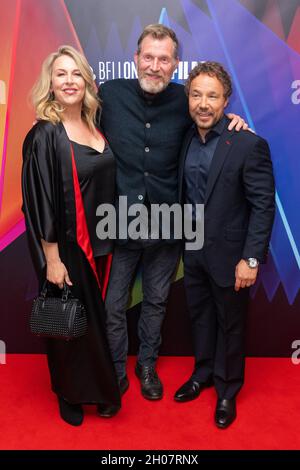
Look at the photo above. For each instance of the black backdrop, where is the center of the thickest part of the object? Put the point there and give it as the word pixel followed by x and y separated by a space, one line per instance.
pixel 271 325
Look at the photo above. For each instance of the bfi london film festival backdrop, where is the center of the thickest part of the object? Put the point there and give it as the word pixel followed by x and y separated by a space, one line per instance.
pixel 258 41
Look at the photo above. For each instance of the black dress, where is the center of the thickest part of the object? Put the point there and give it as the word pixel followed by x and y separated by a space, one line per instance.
pixel 62 185
pixel 96 174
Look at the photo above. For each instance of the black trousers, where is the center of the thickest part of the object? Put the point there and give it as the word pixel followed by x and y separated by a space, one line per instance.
pixel 159 261
pixel 218 317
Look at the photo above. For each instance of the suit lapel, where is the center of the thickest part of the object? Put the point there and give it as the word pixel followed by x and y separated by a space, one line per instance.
pixel 224 146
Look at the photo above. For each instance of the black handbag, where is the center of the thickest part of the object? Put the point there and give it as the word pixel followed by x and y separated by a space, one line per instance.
pixel 58 317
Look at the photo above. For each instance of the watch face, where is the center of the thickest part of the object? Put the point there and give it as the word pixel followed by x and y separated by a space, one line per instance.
pixel 252 262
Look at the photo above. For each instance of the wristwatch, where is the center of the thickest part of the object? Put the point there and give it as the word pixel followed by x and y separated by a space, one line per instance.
pixel 252 263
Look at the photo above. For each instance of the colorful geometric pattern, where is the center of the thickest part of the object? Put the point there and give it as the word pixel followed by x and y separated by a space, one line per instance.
pixel 29 31
pixel 259 43
pixel 281 16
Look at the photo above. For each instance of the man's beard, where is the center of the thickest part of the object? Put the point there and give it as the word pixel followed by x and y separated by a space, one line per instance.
pixel 150 87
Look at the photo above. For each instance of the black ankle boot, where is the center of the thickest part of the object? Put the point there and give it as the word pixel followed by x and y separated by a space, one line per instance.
pixel 72 414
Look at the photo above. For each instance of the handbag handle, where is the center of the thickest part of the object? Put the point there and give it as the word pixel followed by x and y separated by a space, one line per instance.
pixel 66 292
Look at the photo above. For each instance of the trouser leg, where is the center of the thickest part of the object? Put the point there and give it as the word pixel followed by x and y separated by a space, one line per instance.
pixel 231 308
pixel 122 272
pixel 202 313
pixel 159 264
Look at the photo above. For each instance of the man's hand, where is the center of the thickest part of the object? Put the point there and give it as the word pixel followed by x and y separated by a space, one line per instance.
pixel 244 276
pixel 237 123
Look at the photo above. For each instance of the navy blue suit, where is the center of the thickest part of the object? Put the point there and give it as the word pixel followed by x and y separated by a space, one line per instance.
pixel 239 210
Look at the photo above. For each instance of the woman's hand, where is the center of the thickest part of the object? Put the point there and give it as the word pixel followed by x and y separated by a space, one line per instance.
pixel 57 273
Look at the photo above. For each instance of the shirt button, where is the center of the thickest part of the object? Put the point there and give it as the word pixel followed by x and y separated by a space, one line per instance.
pixel 140 197
pixel 146 173
pixel 148 125
pixel 147 149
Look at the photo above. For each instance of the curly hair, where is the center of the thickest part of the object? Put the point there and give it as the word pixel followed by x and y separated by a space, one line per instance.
pixel 213 69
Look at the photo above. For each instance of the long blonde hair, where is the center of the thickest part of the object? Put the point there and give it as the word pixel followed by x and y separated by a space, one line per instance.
pixel 46 107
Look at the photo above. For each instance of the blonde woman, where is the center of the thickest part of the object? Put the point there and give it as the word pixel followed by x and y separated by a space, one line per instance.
pixel 68 170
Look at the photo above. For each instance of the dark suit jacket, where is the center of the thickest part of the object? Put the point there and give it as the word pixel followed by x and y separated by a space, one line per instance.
pixel 239 202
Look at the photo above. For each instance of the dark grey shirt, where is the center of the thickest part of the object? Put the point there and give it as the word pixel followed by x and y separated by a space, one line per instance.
pixel 197 163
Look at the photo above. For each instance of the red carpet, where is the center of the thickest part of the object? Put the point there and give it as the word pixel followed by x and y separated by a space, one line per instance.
pixel 268 411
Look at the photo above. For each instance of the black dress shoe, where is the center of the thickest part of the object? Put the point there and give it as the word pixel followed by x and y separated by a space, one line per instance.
pixel 225 413
pixel 123 384
pixel 151 386
pixel 190 390
pixel 71 414
pixel 107 411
